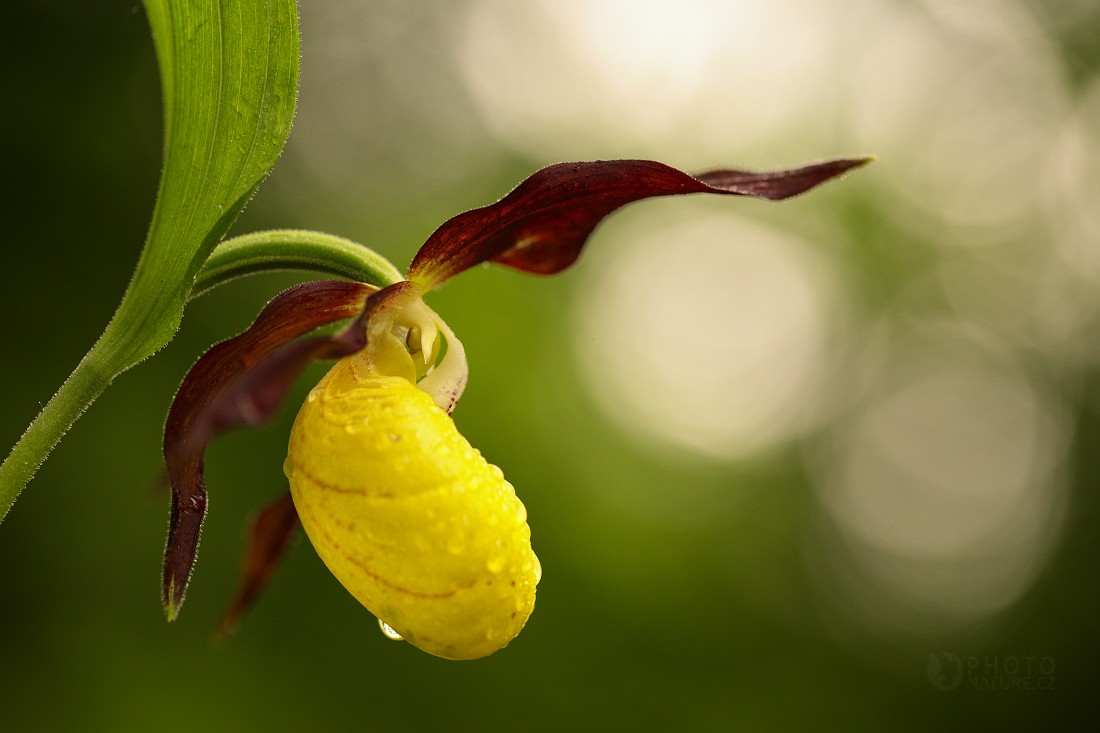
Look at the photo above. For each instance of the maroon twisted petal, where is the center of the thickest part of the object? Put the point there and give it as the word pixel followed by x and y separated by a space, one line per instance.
pixel 543 224
pixel 199 410
pixel 268 538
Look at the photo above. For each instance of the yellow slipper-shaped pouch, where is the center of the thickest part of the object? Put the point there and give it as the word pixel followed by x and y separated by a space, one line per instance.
pixel 410 518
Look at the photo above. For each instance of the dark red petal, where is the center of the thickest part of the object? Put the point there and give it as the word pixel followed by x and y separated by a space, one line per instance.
pixel 543 224
pixel 255 391
pixel 287 317
pixel 268 540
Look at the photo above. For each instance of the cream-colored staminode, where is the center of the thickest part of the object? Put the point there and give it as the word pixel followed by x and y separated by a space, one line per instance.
pixel 408 342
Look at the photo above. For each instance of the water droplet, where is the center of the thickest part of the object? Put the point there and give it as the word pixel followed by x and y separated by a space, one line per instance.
pixel 538 568
pixel 389 631
pixel 455 546
pixel 495 564
pixel 521 512
pixel 288 467
pixel 314 394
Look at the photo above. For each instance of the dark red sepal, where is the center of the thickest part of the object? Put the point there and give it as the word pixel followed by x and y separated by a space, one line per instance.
pixel 272 529
pixel 542 225
pixel 190 424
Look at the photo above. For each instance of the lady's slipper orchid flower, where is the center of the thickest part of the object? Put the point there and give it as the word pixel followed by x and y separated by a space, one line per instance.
pixel 405 513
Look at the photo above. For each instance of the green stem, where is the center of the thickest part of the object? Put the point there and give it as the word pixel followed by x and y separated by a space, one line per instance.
pixel 293 249
pixel 83 386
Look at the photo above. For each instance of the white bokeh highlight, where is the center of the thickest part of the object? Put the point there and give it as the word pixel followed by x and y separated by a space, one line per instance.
pixel 946 488
pixel 707 333
pixel 693 78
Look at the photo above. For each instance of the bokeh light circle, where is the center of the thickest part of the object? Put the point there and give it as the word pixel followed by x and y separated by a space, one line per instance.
pixel 707 333
pixel 945 488
pixel 582 78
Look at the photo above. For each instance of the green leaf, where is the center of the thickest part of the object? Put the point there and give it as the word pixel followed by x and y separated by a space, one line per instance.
pixel 229 75
pixel 229 71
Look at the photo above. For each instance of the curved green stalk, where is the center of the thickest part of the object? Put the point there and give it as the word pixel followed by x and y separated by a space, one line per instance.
pixel 83 386
pixel 294 249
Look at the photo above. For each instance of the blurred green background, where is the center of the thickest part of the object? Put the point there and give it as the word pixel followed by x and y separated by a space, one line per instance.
pixel 825 463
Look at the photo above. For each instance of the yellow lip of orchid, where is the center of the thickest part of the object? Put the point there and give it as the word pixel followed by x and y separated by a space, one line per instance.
pixel 408 516
pixel 411 519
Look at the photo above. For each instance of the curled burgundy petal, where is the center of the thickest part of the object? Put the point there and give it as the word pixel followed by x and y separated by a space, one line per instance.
pixel 542 225
pixel 253 393
pixel 272 529
pixel 190 425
